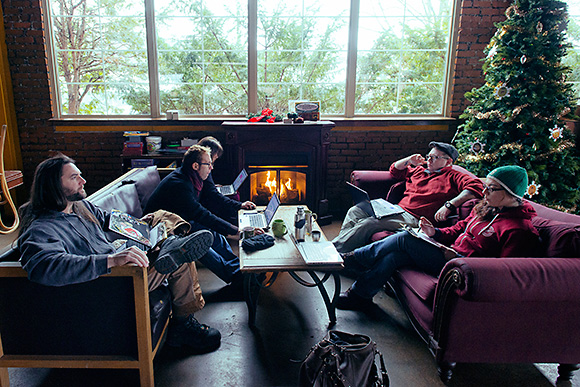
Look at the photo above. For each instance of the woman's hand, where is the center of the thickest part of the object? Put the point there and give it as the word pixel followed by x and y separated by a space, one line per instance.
pixel 426 226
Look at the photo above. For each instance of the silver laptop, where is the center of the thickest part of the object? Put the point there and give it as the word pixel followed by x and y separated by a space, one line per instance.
pixel 378 208
pixel 232 188
pixel 259 218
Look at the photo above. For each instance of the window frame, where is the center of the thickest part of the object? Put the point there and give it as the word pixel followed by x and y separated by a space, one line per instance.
pixel 350 82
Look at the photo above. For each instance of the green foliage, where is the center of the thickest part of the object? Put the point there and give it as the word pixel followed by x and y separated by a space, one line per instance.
pixel 517 114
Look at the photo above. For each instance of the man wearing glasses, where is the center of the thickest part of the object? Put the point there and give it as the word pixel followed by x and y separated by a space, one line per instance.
pixel 183 192
pixel 433 189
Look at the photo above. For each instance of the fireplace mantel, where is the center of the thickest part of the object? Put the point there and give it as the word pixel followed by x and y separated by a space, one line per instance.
pixel 279 143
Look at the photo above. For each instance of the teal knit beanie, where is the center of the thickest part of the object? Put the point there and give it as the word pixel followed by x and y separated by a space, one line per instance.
pixel 511 177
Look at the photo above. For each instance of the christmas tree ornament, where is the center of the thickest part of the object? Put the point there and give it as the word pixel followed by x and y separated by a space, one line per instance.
pixel 501 91
pixel 523 59
pixel 539 27
pixel 555 133
pixel 533 189
pixel 476 146
pixel 492 52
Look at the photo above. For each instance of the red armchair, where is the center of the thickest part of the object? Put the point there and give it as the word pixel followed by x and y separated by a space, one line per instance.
pixel 496 310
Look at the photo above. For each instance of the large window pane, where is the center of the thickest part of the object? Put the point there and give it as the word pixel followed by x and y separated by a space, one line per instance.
pixel 302 49
pixel 99 45
pixel 202 48
pixel 402 50
pixel 572 59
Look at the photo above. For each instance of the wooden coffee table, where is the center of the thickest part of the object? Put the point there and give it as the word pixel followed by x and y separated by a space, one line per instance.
pixel 285 257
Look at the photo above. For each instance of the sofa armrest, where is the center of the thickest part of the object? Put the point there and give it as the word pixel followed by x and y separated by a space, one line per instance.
pixel 376 183
pixel 511 279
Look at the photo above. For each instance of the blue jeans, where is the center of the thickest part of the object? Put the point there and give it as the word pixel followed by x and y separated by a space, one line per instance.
pixel 383 257
pixel 220 258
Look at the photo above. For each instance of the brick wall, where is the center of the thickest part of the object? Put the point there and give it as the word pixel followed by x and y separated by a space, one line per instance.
pixel 97 153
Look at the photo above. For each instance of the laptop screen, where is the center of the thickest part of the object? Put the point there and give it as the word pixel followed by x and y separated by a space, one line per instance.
pixel 240 179
pixel 271 208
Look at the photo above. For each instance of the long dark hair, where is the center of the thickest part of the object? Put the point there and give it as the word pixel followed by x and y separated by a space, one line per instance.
pixel 47 193
pixel 484 211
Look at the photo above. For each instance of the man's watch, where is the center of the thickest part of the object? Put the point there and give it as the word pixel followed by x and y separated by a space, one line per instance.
pixel 450 206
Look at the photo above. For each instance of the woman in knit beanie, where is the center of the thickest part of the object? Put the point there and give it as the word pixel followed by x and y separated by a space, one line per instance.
pixel 498 226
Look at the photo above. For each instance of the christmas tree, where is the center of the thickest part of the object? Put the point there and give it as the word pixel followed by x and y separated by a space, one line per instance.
pixel 516 117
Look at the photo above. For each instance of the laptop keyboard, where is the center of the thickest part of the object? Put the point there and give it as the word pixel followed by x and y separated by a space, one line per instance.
pixel 256 221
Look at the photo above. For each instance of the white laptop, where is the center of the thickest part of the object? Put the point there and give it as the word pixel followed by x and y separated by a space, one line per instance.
pixel 232 188
pixel 378 208
pixel 259 218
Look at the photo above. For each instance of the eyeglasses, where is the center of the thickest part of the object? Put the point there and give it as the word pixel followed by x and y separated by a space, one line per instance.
pixel 208 164
pixel 429 157
pixel 492 189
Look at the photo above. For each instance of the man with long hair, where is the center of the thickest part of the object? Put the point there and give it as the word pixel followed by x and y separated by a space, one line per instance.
pixel 62 241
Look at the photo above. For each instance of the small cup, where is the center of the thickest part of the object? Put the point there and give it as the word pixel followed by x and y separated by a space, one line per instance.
pixel 315 235
pixel 247 232
pixel 279 228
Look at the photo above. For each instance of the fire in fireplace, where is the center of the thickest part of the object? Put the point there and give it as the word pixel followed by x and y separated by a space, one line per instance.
pixel 287 159
pixel 286 181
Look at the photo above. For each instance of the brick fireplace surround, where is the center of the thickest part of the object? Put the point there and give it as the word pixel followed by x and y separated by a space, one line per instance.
pixel 96 144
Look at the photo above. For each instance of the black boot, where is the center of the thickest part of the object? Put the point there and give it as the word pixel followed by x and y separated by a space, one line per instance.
pixel 177 250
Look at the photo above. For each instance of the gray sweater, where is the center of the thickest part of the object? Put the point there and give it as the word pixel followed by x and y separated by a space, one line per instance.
pixel 60 249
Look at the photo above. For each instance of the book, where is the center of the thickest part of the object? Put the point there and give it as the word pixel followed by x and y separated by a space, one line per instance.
pixel 448 252
pixel 136 229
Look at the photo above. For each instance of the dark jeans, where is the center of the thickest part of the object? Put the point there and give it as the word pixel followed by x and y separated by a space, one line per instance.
pixel 383 257
pixel 220 258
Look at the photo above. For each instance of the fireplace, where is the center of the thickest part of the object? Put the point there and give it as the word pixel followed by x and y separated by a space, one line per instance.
pixel 287 159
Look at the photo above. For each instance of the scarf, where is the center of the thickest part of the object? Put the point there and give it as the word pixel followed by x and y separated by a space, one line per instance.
pixel 195 180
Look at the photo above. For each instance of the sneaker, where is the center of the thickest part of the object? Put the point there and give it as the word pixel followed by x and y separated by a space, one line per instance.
pixel 349 300
pixel 189 332
pixel 177 250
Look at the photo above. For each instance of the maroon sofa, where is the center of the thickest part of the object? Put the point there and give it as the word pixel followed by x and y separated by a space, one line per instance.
pixel 495 310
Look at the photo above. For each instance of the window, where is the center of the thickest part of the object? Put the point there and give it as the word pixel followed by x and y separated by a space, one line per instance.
pixel 230 57
pixel 572 59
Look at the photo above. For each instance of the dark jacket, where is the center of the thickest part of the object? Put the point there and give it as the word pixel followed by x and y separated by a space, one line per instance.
pixel 176 194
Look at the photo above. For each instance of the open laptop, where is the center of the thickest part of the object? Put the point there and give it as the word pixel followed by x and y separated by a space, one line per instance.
pixel 232 188
pixel 378 208
pixel 259 218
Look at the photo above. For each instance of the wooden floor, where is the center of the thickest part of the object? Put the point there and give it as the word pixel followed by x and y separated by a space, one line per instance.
pixel 290 320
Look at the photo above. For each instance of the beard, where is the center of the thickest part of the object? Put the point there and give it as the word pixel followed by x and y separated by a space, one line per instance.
pixel 76 196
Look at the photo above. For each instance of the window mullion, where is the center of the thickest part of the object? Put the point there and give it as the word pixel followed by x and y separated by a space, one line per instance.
pixel 252 56
pixel 153 64
pixel 350 92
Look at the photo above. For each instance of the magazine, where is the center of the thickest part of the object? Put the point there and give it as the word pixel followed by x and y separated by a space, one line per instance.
pixel 448 252
pixel 136 229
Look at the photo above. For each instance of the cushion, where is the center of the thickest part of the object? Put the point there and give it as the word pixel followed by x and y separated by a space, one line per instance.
pixel 145 181
pixel 124 198
pixel 396 192
pixel 558 238
pixel 421 284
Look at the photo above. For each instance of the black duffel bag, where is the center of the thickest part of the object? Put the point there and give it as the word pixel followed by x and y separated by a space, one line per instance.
pixel 343 359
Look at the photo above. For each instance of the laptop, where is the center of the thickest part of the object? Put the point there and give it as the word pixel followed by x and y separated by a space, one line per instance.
pixel 259 218
pixel 378 208
pixel 232 188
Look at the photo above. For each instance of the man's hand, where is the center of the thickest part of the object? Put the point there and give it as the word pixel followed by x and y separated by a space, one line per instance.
pixel 426 226
pixel 412 161
pixel 442 214
pixel 248 206
pixel 132 255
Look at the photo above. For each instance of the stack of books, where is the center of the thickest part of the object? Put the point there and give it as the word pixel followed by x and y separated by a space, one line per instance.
pixel 133 145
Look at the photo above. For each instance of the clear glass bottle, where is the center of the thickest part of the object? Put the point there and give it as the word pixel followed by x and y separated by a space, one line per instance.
pixel 300 224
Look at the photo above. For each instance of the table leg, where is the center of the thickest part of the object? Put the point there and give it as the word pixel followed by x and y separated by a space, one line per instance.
pixel 251 297
pixel 330 305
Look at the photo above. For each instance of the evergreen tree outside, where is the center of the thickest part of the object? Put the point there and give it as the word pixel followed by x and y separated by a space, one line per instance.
pixel 516 117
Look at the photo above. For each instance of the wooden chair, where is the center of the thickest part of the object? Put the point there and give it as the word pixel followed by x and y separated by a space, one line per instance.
pixel 103 323
pixel 8 180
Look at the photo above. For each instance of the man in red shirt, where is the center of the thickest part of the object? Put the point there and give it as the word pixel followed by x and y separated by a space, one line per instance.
pixel 433 191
